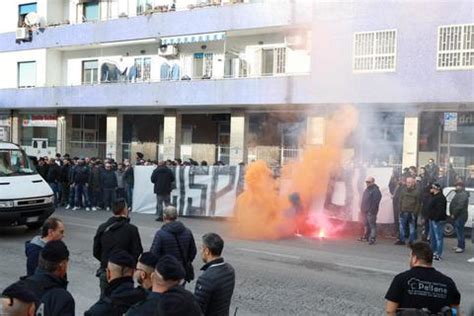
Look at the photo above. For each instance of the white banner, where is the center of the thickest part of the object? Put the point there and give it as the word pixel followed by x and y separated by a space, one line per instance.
pixel 200 191
pixel 212 191
pixel 39 121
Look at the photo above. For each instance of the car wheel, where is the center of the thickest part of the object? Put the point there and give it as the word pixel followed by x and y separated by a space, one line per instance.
pixel 34 225
pixel 448 229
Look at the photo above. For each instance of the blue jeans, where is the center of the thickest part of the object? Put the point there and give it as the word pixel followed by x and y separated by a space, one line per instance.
pixel 370 226
pixel 436 236
pixel 410 219
pixel 129 195
pixel 79 190
pixel 54 186
pixel 459 227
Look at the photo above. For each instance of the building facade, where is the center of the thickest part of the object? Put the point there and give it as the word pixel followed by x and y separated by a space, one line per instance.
pixel 237 80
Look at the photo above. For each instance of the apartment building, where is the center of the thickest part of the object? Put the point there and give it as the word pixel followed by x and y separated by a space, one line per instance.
pixel 237 80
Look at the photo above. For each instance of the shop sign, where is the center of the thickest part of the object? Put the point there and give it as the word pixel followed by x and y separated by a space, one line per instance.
pixel 450 122
pixel 39 121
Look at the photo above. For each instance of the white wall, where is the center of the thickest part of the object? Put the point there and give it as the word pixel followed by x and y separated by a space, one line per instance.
pixel 53 67
pixel 55 11
pixel 9 63
pixel 9 12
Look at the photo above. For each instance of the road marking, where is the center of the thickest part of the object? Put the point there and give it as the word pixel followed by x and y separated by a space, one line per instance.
pixel 269 253
pixel 81 225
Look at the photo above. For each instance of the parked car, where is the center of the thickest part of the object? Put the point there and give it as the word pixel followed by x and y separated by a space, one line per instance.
pixel 25 198
pixel 449 192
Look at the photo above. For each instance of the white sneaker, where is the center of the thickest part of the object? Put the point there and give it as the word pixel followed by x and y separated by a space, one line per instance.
pixel 94 208
pixel 454 248
pixel 75 208
pixel 98 208
pixel 459 250
pixel 471 260
pixel 68 207
pixel 88 209
pixel 107 209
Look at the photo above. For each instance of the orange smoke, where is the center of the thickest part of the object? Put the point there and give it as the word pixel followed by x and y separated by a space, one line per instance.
pixel 264 211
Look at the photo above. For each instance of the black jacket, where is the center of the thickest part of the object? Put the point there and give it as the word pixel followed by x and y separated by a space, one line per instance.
pixel 52 292
pixel 119 296
pixel 108 179
pixel 215 287
pixel 437 207
pixel 129 177
pixel 43 170
pixel 165 243
pixel 65 173
pixel 163 178
pixel 94 178
pixel 371 200
pixel 150 306
pixel 116 233
pixel 179 302
pixel 80 175
pixel 459 205
pixel 54 173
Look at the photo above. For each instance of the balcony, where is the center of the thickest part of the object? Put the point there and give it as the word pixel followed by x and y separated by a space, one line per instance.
pixel 270 14
pixel 258 91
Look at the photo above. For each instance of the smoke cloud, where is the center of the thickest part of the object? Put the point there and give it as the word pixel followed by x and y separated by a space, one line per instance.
pixel 272 208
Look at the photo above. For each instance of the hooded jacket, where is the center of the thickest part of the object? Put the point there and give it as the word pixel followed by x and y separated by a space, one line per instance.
pixel 32 251
pixel 150 306
pixel 52 292
pixel 410 200
pixel 215 287
pixel 371 200
pixel 116 233
pixel 178 302
pixel 120 295
pixel 165 243
pixel 437 208
pixel 459 205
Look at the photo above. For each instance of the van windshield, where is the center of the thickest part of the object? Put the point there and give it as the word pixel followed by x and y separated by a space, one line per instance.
pixel 14 162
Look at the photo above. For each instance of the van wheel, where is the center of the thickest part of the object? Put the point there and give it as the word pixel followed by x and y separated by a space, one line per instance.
pixel 449 229
pixel 34 225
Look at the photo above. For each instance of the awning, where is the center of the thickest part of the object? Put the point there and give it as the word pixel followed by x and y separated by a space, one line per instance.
pixel 195 38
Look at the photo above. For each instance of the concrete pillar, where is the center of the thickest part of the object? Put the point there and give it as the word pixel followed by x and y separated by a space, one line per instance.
pixel 410 139
pixel 239 126
pixel 61 134
pixel 315 130
pixel 114 135
pixel 171 135
pixel 15 132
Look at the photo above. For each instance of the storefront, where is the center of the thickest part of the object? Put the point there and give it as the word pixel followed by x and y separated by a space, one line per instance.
pixel 5 127
pixel 39 134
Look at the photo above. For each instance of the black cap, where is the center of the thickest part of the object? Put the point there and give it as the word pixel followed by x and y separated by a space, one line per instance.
pixel 170 268
pixel 20 292
pixel 140 155
pixel 55 251
pixel 122 258
pixel 436 185
pixel 148 259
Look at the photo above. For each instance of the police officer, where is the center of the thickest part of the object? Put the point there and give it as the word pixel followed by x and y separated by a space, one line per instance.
pixel 115 233
pixel 121 294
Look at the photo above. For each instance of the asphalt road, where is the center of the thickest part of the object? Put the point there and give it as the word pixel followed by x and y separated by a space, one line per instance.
pixel 282 277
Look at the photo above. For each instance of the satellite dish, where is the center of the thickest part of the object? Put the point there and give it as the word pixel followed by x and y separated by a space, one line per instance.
pixel 33 19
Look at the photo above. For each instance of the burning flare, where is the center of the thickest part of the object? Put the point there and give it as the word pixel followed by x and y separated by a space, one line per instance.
pixel 277 208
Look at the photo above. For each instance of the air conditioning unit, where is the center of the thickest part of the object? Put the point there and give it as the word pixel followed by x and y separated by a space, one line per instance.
pixel 168 50
pixel 22 34
pixel 295 40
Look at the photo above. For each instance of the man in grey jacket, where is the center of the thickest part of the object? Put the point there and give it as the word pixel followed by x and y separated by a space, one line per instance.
pixel 459 213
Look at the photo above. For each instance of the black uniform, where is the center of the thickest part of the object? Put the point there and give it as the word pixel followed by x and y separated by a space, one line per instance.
pixel 215 287
pixel 119 297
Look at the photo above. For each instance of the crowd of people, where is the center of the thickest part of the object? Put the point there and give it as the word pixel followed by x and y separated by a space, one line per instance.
pixel 131 281
pixel 417 196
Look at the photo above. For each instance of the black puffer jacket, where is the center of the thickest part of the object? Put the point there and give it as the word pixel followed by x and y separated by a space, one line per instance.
pixel 108 179
pixel 437 208
pixel 52 292
pixel 163 178
pixel 165 243
pixel 371 200
pixel 120 295
pixel 116 233
pixel 179 302
pixel 54 173
pixel 215 287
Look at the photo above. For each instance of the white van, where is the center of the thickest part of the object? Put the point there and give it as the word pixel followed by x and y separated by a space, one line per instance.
pixel 25 197
pixel 449 227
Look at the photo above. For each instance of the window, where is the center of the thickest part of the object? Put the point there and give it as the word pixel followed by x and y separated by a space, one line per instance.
pixel 23 10
pixel 273 61
pixel 90 71
pixel 375 51
pixel 203 65
pixel 143 68
pixel 144 6
pixel 91 11
pixel 27 74
pixel 456 47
